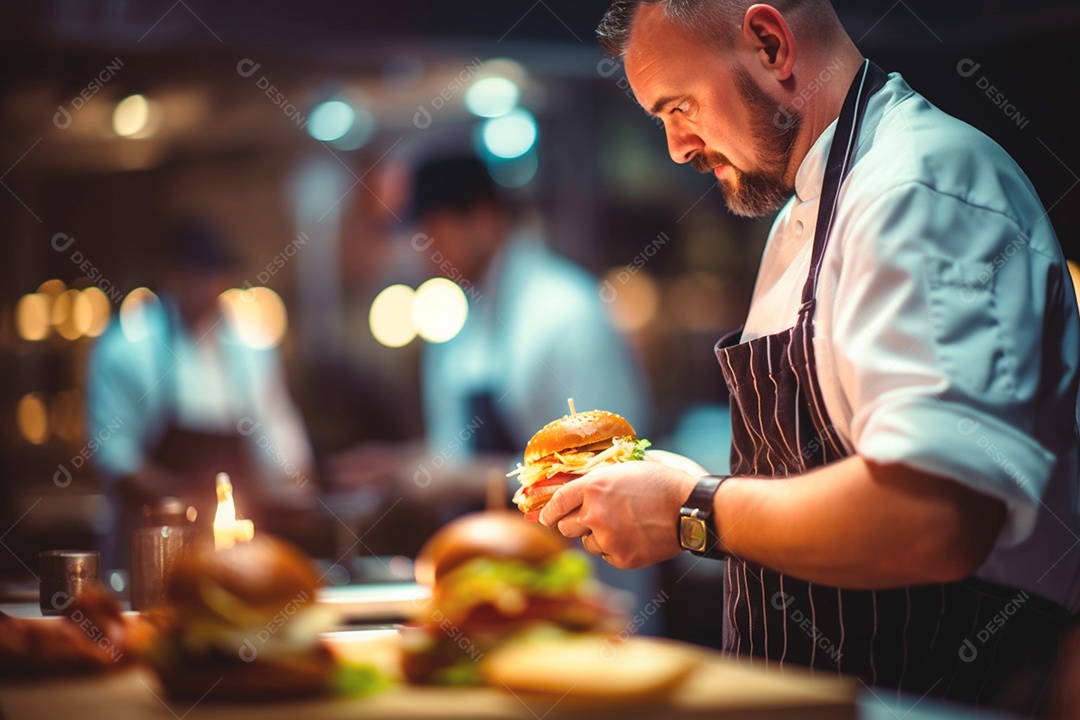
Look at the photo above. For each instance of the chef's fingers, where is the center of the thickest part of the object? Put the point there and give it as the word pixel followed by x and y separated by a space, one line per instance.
pixel 571 525
pixel 565 500
pixel 591 546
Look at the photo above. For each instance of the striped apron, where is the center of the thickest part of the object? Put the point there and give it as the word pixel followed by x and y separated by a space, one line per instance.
pixel 961 641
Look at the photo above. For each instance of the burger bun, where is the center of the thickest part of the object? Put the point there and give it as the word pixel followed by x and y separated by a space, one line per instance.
pixel 496 534
pixel 576 431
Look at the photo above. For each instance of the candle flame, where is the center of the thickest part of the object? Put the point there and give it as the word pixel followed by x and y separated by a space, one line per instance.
pixel 228 529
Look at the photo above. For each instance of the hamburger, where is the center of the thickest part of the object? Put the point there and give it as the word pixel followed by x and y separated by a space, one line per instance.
pixel 494 580
pixel 572 446
pixel 244 622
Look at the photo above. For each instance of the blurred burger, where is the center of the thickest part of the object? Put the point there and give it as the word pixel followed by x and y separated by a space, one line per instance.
pixel 494 579
pixel 244 622
pixel 92 636
pixel 571 446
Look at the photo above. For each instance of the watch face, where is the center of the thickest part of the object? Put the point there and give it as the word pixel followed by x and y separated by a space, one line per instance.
pixel 692 535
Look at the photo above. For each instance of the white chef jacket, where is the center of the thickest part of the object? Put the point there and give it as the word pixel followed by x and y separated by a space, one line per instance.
pixel 536 335
pixel 214 383
pixel 946 333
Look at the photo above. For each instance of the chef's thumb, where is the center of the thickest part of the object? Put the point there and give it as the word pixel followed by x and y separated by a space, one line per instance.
pixel 565 500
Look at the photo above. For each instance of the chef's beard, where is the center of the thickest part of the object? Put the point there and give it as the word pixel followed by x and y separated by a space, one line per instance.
pixel 758 193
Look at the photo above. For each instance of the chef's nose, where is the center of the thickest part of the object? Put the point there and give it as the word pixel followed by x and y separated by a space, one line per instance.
pixel 683 145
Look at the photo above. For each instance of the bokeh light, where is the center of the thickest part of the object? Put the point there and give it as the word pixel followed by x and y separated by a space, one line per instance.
pixel 32 316
pixel 53 288
pixel 360 133
pixel 32 418
pixel 632 299
pixel 515 173
pixel 135 117
pixel 100 311
pixel 439 310
pixel 1074 273
pixel 72 315
pixel 331 120
pixel 134 320
pixel 257 315
pixel 511 135
pixel 391 316
pixel 491 97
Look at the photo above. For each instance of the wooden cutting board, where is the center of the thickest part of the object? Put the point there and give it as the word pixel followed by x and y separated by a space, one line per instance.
pixel 718 687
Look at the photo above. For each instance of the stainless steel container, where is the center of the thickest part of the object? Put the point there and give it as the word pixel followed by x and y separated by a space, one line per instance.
pixel 64 575
pixel 154 552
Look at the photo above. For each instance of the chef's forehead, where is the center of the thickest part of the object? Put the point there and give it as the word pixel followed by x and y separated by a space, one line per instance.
pixel 716 22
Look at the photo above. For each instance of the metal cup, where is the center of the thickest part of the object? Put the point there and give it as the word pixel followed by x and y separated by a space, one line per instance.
pixel 65 574
pixel 154 552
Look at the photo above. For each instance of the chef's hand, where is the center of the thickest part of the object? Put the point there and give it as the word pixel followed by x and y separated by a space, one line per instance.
pixel 626 513
pixel 677 461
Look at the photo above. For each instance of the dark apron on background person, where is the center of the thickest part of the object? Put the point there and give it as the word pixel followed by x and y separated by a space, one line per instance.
pixel 195 457
pixel 943 640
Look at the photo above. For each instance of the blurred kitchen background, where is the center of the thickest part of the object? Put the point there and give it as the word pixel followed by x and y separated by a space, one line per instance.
pixel 292 125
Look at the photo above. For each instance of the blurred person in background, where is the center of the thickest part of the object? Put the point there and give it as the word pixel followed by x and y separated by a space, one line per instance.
pixel 536 334
pixel 189 399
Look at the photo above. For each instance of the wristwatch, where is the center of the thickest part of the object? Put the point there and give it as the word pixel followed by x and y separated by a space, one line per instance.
pixel 697 528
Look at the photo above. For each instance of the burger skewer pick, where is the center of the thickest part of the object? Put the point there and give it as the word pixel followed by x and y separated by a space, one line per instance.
pixel 569 447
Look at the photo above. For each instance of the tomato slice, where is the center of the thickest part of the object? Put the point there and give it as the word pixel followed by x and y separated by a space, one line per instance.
pixel 556 479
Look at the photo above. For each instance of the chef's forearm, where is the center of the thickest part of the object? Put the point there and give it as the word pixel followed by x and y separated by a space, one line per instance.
pixel 856 524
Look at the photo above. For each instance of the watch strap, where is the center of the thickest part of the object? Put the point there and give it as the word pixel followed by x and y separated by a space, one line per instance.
pixel 701 500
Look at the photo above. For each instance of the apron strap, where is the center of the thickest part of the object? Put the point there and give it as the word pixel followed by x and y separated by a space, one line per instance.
pixel 868 81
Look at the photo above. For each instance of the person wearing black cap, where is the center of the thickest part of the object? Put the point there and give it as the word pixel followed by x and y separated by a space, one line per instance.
pixel 536 332
pixel 181 397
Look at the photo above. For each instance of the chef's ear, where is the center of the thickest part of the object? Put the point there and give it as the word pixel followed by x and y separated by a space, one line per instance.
pixel 767 33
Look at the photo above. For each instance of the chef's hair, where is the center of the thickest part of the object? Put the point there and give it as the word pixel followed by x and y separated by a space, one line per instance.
pixel 713 20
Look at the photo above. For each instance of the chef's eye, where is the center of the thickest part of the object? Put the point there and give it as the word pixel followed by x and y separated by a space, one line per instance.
pixel 683 107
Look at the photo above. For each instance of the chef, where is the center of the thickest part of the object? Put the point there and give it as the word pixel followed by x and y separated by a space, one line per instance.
pixel 903 498
pixel 187 398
